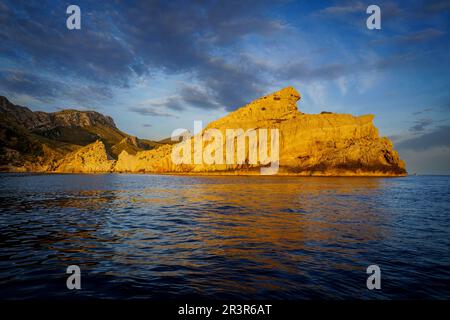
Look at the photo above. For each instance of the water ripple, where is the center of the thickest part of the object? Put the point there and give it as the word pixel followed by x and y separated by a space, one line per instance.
pixel 150 236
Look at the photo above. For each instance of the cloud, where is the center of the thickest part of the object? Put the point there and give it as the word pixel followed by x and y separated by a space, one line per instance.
pixel 17 83
pixel 233 84
pixel 345 9
pixel 197 40
pixel 147 125
pixel 188 96
pixel 436 6
pixel 301 70
pixel 352 11
pixel 198 98
pixel 119 41
pixel 412 37
pixel 172 103
pixel 205 42
pixel 437 138
pixel 24 83
pixel 420 36
pixel 434 160
pixel 395 137
pixel 37 35
pixel 421 124
pixel 150 111
pixel 316 91
pixel 426 110
pixel 342 83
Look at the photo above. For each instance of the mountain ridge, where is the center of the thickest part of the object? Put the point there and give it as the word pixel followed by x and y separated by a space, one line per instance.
pixel 37 140
pixel 40 120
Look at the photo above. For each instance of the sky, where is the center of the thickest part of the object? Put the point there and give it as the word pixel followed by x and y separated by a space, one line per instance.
pixel 156 66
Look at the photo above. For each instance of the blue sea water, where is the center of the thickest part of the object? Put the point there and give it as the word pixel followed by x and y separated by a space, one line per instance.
pixel 157 236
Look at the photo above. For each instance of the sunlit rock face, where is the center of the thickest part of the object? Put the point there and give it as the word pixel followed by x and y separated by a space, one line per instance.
pixel 156 160
pixel 309 144
pixel 89 159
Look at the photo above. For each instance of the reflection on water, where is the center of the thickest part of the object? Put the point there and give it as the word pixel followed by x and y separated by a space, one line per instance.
pixel 149 236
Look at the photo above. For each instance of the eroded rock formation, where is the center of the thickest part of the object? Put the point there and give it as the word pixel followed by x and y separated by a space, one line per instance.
pixel 89 159
pixel 309 144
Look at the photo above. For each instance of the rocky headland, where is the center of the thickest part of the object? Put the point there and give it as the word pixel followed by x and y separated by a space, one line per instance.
pixel 85 141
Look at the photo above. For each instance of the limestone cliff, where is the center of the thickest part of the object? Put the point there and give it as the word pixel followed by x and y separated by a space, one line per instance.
pixel 310 144
pixel 89 159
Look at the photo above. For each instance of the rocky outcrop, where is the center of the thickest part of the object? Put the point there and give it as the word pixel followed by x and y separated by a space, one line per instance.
pixel 75 118
pixel 39 120
pixel 89 159
pixel 310 144
pixel 156 160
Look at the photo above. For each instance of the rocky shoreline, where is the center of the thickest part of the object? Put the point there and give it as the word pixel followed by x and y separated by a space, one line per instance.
pixel 325 144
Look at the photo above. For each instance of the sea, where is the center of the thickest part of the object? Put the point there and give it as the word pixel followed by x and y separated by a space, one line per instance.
pixel 134 236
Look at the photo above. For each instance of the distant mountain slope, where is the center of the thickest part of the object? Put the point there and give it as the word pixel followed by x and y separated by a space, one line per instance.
pixel 38 139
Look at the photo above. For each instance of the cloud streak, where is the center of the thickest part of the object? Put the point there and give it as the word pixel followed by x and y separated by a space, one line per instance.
pixel 437 138
pixel 421 124
pixel 150 111
pixel 47 90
